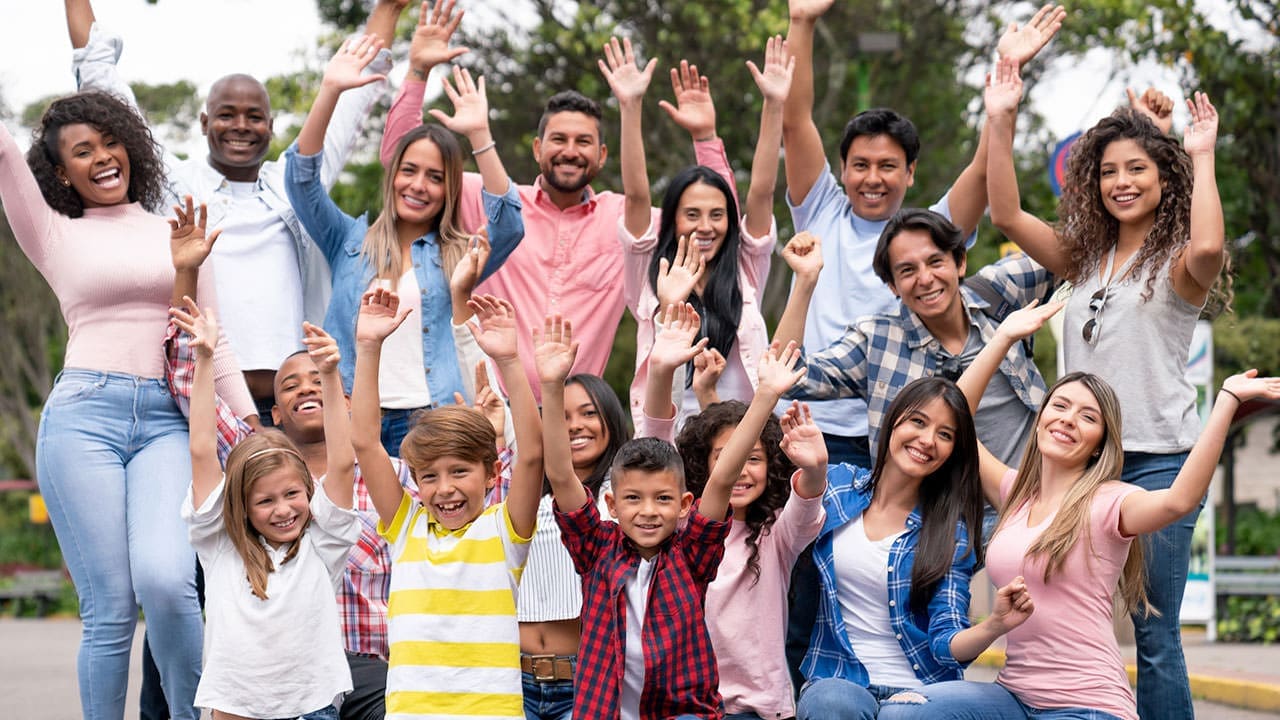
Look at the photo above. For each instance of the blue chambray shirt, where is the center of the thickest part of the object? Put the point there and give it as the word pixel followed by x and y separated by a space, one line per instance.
pixel 925 639
pixel 341 238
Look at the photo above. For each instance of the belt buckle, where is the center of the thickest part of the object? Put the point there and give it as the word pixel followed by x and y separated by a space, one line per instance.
pixel 543 661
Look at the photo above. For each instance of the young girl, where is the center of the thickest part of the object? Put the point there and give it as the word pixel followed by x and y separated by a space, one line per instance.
pixel 415 243
pixel 272 548
pixel 1068 525
pixel 700 253
pixel 448 550
pixel 1140 234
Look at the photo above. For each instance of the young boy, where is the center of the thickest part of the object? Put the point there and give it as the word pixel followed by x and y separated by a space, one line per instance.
pixel 645 653
pixel 455 563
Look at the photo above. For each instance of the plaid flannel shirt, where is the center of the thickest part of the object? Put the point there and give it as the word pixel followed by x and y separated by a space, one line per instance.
pixel 680 675
pixel 179 372
pixel 881 354
pixel 925 638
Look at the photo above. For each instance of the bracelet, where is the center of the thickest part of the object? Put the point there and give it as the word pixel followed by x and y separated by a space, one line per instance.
pixel 1237 397
pixel 492 144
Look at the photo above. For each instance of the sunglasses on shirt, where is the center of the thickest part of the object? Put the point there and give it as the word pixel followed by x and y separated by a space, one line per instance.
pixel 1093 326
pixel 950 366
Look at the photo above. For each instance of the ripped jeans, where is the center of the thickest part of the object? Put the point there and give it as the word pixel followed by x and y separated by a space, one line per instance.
pixel 839 699
pixel 968 700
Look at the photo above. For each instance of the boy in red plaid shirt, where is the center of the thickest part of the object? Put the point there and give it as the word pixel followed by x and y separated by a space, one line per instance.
pixel 645 653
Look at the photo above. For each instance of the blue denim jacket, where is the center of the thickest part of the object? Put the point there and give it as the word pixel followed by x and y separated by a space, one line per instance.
pixel 925 638
pixel 341 237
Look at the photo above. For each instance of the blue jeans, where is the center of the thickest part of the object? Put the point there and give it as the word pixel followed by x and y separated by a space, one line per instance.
pixel 547 700
pixel 395 425
pixel 966 700
pixel 113 464
pixel 840 699
pixel 742 716
pixel 1163 689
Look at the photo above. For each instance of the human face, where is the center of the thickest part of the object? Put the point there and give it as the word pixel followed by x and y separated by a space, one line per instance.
pixel 1070 427
pixel 702 215
pixel 95 163
pixel 453 490
pixel 923 439
pixel 570 152
pixel 754 478
pixel 925 277
pixel 648 506
pixel 237 123
pixel 418 185
pixel 588 436
pixel 299 406
pixel 876 176
pixel 1129 181
pixel 278 506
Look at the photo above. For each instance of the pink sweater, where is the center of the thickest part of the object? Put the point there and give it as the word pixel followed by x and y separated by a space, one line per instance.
pixel 112 273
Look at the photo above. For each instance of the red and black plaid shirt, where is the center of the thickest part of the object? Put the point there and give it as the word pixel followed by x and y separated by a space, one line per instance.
pixel 680 674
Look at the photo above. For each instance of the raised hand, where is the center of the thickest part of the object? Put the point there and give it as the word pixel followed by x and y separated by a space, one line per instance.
pixel 779 67
pixel 495 329
pixel 1004 89
pixel 674 344
pixel 188 244
pixel 1026 321
pixel 1155 105
pixel 708 366
pixel 470 104
pixel 1020 44
pixel 801 439
pixel 677 278
pixel 626 79
pixel 808 9
pixel 488 402
pixel 803 254
pixel 1247 386
pixel 694 109
pixel 344 69
pixel 467 272
pixel 380 314
pixel 1013 605
pixel 430 44
pixel 777 372
pixel 202 327
pixel 1201 134
pixel 554 349
pixel 322 348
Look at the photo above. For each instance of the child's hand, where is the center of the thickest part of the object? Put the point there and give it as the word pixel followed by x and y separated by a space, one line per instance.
pixel 801 439
pixel 202 327
pixel 694 110
pixel 1201 134
pixel 674 344
pixel 467 272
pixel 380 315
pixel 188 244
pixel 1028 320
pixel 322 348
pixel 554 350
pixel 344 69
pixel 1155 105
pixel 1022 44
pixel 676 280
pixel 430 45
pixel 495 332
pixel 1004 89
pixel 776 374
pixel 779 66
pixel 626 79
pixel 1013 605
pixel 803 254
pixel 708 366
pixel 488 402
pixel 470 105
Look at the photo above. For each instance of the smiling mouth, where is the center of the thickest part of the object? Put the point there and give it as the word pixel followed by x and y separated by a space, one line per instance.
pixel 414 203
pixel 918 456
pixel 873 196
pixel 286 525
pixel 1126 198
pixel 307 406
pixel 108 179
pixel 579 443
pixel 450 510
pixel 930 297
pixel 1062 437
pixel 237 144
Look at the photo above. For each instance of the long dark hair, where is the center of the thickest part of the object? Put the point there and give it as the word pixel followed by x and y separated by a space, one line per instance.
pixel 110 116
pixel 720 304
pixel 616 422
pixel 950 494
pixel 694 443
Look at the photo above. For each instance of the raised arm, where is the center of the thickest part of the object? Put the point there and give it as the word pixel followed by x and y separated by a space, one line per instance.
pixel 1201 262
pixel 973 383
pixel 775 376
pixel 1147 511
pixel 340 458
pixel 629 83
pixel 803 254
pixel 471 118
pixel 382 20
pixel 496 335
pixel 341 74
pixel 673 346
pixel 206 471
pixel 805 157
pixel 774 83
pixel 554 351
pixel 80 19
pixel 188 246
pixel 380 314
pixel 802 442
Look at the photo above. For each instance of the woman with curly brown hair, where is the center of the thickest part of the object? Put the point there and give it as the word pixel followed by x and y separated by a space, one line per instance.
pixel 111 456
pixel 1140 234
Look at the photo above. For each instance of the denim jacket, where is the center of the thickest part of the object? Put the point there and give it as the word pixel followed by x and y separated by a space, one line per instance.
pixel 341 238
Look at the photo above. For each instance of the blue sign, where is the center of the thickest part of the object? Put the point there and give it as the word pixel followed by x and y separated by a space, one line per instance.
pixel 1058 162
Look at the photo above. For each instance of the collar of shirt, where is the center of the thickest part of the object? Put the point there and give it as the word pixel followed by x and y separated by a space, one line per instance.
pixel 918 336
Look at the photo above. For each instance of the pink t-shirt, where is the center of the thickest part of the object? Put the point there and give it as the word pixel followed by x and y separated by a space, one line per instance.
pixel 747 620
pixel 1065 654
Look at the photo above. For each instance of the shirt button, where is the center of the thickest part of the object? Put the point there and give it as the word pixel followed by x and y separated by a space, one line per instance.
pixel 915 667
pixel 893 603
pixel 426 328
pixel 890 568
pixel 427 371
pixel 899 636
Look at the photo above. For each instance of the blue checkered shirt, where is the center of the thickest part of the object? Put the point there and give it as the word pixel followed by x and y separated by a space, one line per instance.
pixel 925 638
pixel 880 354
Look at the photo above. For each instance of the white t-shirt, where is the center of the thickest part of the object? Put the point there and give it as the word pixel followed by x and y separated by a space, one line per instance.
pixel 637 594
pixel 402 384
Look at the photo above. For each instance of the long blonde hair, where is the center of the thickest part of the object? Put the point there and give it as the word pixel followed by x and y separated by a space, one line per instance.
pixel 381 248
pixel 1071 523
pixel 257 455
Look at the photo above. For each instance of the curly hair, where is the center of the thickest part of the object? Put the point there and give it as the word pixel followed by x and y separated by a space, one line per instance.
pixel 109 115
pixel 1087 230
pixel 694 443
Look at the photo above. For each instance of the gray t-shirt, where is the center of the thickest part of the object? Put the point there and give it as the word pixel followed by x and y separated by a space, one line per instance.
pixel 1003 421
